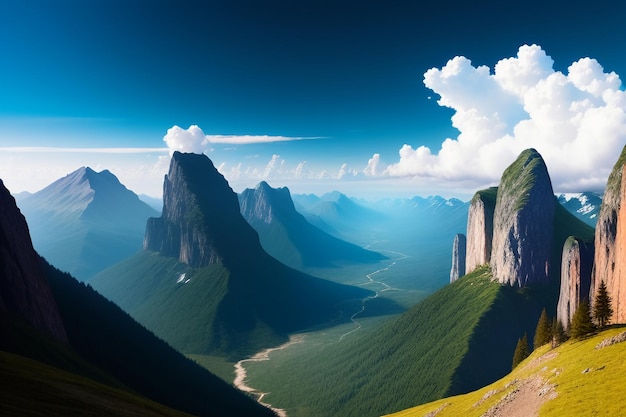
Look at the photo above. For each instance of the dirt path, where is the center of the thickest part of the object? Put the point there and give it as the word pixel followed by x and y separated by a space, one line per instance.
pixel 524 400
pixel 241 373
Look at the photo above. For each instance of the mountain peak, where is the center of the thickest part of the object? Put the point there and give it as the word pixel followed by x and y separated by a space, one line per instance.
pixel 200 223
pixel 523 222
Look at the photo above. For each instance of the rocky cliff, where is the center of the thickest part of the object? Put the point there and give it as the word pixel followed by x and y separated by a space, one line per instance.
pixel 24 290
pixel 480 228
pixel 610 241
pixel 523 224
pixel 576 269
pixel 200 223
pixel 458 257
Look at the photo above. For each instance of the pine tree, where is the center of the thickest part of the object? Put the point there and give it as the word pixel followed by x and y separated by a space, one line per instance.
pixel 558 333
pixel 602 309
pixel 581 322
pixel 542 332
pixel 521 351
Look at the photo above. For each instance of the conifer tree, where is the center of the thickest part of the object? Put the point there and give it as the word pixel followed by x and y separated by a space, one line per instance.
pixel 558 333
pixel 581 322
pixel 521 351
pixel 542 332
pixel 602 308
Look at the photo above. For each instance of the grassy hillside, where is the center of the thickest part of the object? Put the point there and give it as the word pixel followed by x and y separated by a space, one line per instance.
pixel 108 338
pixel 31 388
pixel 575 379
pixel 232 312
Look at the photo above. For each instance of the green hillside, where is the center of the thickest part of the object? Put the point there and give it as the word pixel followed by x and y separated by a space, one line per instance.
pixel 232 312
pixel 109 339
pixel 459 339
pixel 31 388
pixel 578 378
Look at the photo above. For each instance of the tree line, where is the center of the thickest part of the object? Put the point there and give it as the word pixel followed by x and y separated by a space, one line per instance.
pixel 585 321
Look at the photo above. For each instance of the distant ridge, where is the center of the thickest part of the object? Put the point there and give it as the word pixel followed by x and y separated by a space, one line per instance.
pixel 86 221
pixel 289 237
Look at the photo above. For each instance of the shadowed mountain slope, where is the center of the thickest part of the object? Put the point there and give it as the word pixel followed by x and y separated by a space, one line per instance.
pixel 289 237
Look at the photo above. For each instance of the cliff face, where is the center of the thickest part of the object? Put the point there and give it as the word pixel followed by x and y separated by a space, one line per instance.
pixel 610 242
pixel 458 257
pixel 523 222
pixel 200 223
pixel 480 228
pixel 576 269
pixel 24 290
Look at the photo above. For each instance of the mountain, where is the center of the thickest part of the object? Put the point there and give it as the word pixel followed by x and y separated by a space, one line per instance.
pixel 336 213
pixel 468 330
pixel 86 355
pixel 24 290
pixel 289 237
pixel 576 269
pixel 458 257
pixel 205 284
pixel 155 203
pixel 86 221
pixel 523 222
pixel 610 242
pixel 480 228
pixel 585 206
pixel 575 379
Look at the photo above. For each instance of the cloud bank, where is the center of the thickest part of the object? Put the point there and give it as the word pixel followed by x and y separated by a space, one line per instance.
pixel 577 121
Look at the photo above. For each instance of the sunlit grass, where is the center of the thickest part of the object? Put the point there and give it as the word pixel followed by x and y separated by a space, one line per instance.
pixel 588 382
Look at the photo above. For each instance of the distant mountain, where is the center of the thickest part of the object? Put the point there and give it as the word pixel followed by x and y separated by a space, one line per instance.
pixel 585 206
pixel 89 357
pixel 154 202
pixel 205 284
pixel 289 237
pixel 86 221
pixel 335 212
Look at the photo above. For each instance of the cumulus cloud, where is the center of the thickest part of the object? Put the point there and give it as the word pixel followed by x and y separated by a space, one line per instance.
pixel 372 165
pixel 194 140
pixel 576 120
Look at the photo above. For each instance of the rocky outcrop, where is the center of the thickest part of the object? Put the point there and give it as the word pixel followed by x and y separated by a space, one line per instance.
pixel 200 223
pixel 24 290
pixel 576 269
pixel 480 228
pixel 458 257
pixel 610 242
pixel 523 223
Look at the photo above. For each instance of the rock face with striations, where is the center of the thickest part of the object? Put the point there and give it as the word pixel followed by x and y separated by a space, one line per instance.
pixel 523 222
pixel 576 269
pixel 24 290
pixel 200 222
pixel 480 228
pixel 610 242
pixel 458 257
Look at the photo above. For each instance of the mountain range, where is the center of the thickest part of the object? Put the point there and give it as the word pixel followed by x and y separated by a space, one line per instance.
pixel 86 221
pixel 66 350
pixel 289 237
pixel 204 283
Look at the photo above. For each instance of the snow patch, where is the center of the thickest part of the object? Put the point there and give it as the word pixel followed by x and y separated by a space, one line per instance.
pixel 181 278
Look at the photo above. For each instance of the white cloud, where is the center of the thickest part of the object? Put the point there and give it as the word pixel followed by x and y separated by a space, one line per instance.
pixel 577 121
pixel 272 166
pixel 372 165
pixel 194 140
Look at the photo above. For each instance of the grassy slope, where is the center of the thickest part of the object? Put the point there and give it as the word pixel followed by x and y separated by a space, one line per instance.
pixel 596 392
pixel 411 360
pixel 31 388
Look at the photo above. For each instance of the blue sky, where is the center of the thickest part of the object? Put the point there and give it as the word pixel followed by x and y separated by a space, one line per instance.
pixel 314 95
